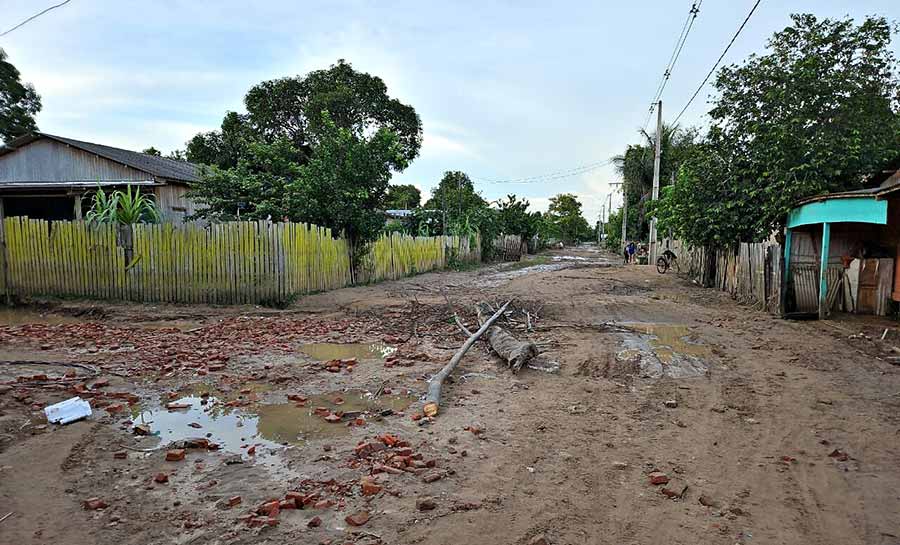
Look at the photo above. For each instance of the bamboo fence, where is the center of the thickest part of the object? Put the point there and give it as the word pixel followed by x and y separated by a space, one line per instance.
pixel 224 263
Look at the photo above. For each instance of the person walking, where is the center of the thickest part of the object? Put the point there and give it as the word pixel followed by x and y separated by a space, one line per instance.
pixel 631 248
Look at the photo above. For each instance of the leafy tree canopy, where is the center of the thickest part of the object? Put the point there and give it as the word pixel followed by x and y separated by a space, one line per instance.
pixel 341 185
pixel 564 220
pixel 152 151
pixel 817 113
pixel 320 149
pixel 19 102
pixel 403 197
pixel 635 167
pixel 291 108
pixel 513 217
pixel 455 197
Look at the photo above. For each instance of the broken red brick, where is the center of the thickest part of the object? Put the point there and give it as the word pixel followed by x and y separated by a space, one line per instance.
pixel 369 487
pixel 271 508
pixel 120 455
pixel 432 476
pixel 365 449
pixel 674 489
pixel 94 503
pixel 287 504
pixel 332 419
pixel 658 477
pixel 161 478
pixel 324 504
pixel 115 408
pixel 388 439
pixel 233 500
pixel 141 429
pixel 314 522
pixel 251 451
pixel 175 455
pixel 177 406
pixel 357 519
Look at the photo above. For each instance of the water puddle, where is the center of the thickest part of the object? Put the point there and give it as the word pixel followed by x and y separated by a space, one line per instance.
pixel 22 316
pixel 664 350
pixel 234 429
pixel 338 351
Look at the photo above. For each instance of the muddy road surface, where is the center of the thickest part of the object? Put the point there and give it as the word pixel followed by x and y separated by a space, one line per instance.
pixel 661 413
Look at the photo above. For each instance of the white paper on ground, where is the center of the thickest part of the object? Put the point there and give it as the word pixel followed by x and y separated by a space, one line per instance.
pixel 67 411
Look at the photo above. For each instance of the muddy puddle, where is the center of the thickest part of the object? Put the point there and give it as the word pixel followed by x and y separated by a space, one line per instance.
pixel 661 350
pixel 272 425
pixel 23 316
pixel 338 351
pixel 557 263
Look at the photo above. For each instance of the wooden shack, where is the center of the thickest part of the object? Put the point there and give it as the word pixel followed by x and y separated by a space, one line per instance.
pixel 841 252
pixel 51 177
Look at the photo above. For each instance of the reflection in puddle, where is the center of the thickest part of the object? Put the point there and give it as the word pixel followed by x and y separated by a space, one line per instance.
pixel 338 351
pixel 664 350
pixel 272 425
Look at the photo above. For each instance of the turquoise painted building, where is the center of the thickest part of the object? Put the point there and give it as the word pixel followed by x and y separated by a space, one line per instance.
pixel 840 251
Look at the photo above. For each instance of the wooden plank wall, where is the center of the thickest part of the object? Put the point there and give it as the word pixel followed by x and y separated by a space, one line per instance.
pixel 226 263
pixel 751 272
pixel 510 247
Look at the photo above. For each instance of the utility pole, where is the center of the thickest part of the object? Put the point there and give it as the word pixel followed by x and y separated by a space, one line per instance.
pixel 656 165
pixel 602 228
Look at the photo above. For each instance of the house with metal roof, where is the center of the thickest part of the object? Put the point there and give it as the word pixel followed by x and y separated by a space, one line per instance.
pixel 51 177
pixel 841 251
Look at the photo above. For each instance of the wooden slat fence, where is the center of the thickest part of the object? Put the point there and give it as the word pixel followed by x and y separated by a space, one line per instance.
pixel 750 272
pixel 510 247
pixel 226 263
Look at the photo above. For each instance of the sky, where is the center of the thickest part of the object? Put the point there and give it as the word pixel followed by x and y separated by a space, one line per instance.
pixel 506 90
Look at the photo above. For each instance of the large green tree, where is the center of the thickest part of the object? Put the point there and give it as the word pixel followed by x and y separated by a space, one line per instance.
pixel 403 197
pixel 341 185
pixel 817 113
pixel 564 220
pixel 290 109
pixel 455 198
pixel 19 102
pixel 513 217
pixel 320 148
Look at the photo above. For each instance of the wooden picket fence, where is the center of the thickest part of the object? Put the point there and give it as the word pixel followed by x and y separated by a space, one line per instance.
pixel 749 272
pixel 510 247
pixel 224 263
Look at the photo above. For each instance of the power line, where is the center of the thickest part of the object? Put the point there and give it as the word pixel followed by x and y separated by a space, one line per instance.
pixel 550 176
pixel 722 56
pixel 676 53
pixel 35 16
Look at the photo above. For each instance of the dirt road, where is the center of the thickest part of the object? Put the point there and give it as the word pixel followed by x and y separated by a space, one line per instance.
pixel 769 431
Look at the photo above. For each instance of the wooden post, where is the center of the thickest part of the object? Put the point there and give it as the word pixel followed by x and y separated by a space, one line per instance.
pixel 654 243
pixel 77 206
pixel 787 271
pixel 4 255
pixel 823 269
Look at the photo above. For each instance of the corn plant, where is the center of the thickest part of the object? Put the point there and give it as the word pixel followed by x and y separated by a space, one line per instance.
pixel 122 207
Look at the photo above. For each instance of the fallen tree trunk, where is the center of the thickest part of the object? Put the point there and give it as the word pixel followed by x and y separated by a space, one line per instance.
pixel 433 398
pixel 516 353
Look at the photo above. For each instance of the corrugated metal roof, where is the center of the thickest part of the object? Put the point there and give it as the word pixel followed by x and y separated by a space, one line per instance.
pixel 77 184
pixel 171 169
